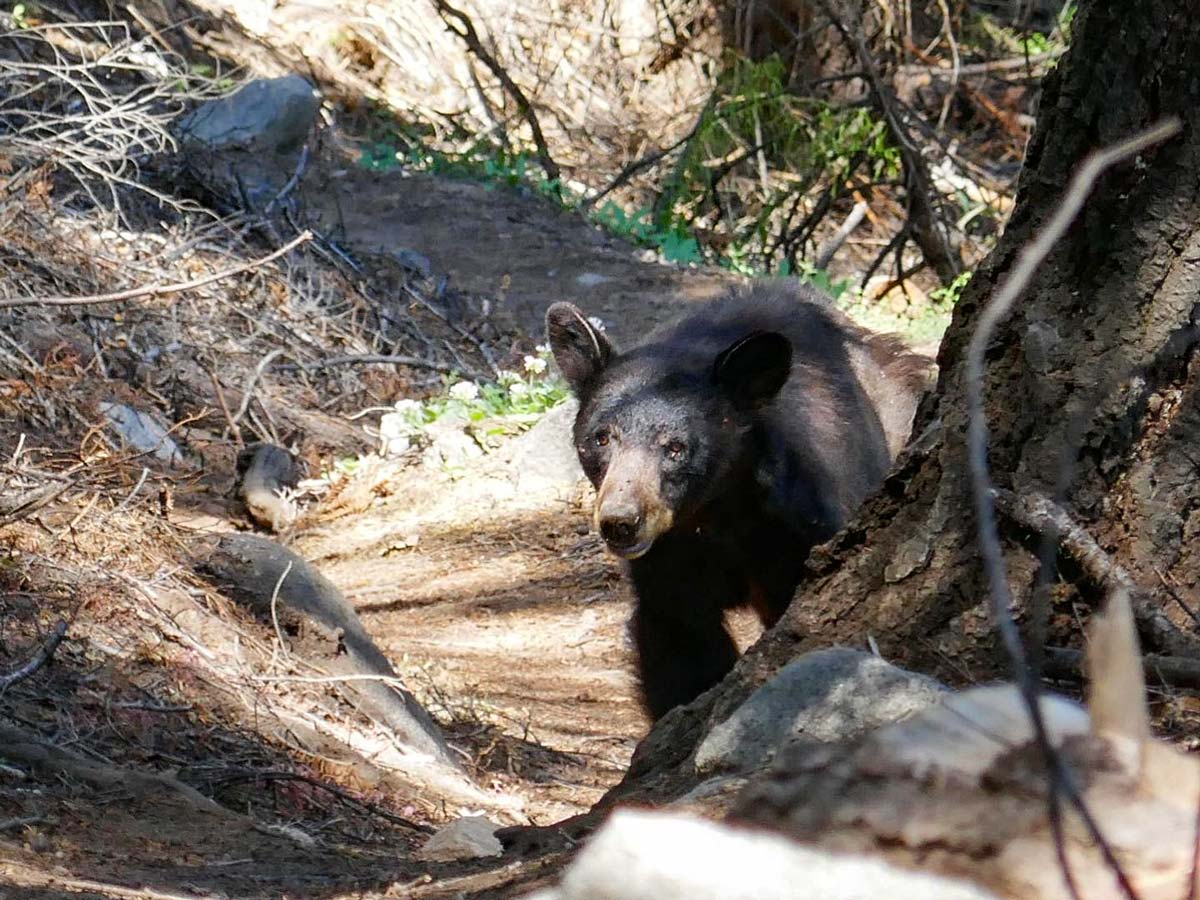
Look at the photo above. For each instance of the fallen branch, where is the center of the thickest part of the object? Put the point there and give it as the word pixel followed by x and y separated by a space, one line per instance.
pixel 254 570
pixel 1015 63
pixel 365 359
pixel 157 290
pixel 39 659
pixel 340 793
pixel 22 746
pixel 826 253
pixel 248 393
pixel 1042 516
pixel 1167 671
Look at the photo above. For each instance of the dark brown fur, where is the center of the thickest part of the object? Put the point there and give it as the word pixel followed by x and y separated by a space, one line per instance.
pixel 723 448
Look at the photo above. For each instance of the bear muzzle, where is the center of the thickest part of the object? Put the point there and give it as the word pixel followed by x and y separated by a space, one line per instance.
pixel 630 516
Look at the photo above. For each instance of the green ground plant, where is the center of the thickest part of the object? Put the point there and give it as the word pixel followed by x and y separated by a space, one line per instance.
pixel 513 401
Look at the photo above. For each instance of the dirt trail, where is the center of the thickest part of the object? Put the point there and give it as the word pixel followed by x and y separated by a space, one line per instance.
pixel 502 243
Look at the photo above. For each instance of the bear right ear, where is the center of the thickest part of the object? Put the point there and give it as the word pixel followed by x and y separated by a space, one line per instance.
pixel 580 349
pixel 754 368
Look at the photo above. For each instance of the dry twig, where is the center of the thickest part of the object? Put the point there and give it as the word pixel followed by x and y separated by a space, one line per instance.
pixel 157 290
pixel 39 659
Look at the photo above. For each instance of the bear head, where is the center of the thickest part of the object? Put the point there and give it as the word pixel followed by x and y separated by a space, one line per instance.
pixel 662 429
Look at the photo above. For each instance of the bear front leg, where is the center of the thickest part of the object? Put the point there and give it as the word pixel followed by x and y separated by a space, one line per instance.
pixel 678 658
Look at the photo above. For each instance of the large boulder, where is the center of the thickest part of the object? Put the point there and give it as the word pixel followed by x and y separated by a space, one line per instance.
pixel 823 696
pixel 269 114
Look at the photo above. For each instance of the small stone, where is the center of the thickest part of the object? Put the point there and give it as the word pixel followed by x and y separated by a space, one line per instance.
pixel 911 556
pixel 545 456
pixel 142 432
pixel 470 837
pixel 450 446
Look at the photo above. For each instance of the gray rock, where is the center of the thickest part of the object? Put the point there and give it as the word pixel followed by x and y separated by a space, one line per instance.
pixel 142 432
pixel 450 446
pixel 470 837
pixel 267 114
pixel 545 456
pixel 826 695
pixel 641 855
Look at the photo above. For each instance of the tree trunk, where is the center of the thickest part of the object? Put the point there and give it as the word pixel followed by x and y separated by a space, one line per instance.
pixel 1117 297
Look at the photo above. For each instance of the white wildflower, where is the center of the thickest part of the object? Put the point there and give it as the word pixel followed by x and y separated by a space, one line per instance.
pixel 507 376
pixel 518 389
pixel 466 391
pixel 395 434
pixel 543 349
pixel 407 406
pixel 535 365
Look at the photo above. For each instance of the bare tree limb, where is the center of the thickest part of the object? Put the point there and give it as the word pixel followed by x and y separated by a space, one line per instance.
pixel 826 253
pixel 364 359
pixel 157 290
pixel 1168 671
pixel 644 162
pixel 928 228
pixel 466 31
pixel 248 393
pixel 39 659
pixel 1044 517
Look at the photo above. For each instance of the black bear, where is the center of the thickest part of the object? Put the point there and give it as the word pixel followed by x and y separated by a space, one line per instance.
pixel 723 448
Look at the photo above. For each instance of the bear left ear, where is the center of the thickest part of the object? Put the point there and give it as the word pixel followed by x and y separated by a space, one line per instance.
pixel 753 369
pixel 581 350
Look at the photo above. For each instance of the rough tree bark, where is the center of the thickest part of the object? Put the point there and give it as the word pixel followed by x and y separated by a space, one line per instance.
pixel 1115 297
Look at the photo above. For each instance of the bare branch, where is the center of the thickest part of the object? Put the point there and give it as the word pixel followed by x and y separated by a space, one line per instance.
pixel 157 290
pixel 470 37
pixel 1044 517
pixel 1168 671
pixel 39 659
pixel 365 359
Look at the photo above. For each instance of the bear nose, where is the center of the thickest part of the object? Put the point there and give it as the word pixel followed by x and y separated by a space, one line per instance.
pixel 621 530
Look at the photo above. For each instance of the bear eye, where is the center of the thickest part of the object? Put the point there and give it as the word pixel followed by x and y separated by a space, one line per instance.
pixel 601 438
pixel 675 449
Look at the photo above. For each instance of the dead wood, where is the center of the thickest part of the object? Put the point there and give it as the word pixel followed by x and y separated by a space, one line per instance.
pixel 466 31
pixel 158 290
pixel 927 223
pixel 961 790
pixel 261 572
pixel 21 746
pixel 363 359
pixel 39 659
pixel 1042 516
pixel 1067 664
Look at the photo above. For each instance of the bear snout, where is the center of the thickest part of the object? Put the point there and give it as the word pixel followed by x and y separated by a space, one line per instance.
pixel 621 530
pixel 631 525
